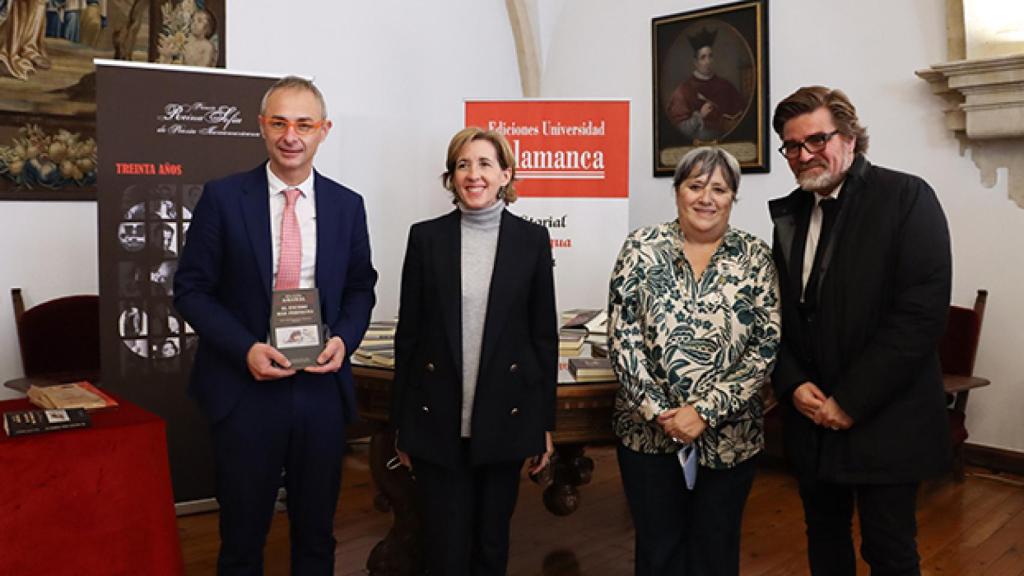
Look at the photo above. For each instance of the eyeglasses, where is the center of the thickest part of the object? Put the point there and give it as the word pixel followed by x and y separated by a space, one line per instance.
pixel 277 125
pixel 814 143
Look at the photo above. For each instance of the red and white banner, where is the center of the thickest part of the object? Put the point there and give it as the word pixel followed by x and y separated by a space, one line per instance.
pixel 572 177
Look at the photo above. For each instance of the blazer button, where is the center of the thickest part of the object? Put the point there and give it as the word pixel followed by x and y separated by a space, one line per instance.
pixel 513 368
pixel 426 409
pixel 430 366
pixel 514 412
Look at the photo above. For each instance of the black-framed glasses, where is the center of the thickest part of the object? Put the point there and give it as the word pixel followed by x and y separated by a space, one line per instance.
pixel 814 143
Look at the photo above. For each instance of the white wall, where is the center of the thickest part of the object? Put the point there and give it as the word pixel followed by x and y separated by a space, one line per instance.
pixel 395 74
pixel 49 250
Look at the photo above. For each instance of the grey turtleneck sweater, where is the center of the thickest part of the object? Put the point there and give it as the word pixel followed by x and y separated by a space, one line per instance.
pixel 479 245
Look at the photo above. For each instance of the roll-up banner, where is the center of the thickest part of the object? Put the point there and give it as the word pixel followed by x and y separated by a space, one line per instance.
pixel 573 178
pixel 162 131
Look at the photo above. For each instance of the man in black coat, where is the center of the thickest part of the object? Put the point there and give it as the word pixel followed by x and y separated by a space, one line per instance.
pixel 864 264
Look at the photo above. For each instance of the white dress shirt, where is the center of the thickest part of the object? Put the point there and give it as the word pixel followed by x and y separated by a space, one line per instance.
pixel 814 234
pixel 305 211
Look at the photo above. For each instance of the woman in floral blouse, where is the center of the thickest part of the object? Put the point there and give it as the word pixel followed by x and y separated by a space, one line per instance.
pixel 694 318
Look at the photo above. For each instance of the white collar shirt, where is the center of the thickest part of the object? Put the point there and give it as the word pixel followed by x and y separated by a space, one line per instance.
pixel 814 234
pixel 305 211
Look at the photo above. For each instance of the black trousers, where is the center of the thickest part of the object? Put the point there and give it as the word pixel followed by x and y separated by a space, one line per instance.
pixel 888 527
pixel 679 531
pixel 465 515
pixel 295 424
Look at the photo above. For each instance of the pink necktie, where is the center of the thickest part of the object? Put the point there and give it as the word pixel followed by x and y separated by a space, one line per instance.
pixel 290 261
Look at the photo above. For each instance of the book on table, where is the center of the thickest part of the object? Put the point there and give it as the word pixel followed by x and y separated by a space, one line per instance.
pixel 21 422
pixel 593 321
pixel 72 395
pixel 366 350
pixel 571 341
pixel 591 369
pixel 384 358
pixel 379 338
pixel 381 328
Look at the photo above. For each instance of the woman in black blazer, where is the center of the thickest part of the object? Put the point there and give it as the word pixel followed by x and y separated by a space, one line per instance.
pixel 476 359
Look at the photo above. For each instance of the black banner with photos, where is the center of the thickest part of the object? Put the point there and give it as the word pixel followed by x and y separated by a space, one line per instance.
pixel 164 132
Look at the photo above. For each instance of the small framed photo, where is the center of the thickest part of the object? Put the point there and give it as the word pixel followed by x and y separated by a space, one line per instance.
pixel 710 84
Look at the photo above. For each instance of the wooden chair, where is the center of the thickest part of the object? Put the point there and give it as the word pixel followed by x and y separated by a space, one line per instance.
pixel 957 352
pixel 59 339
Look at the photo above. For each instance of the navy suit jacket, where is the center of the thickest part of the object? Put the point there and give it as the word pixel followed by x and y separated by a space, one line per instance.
pixel 224 278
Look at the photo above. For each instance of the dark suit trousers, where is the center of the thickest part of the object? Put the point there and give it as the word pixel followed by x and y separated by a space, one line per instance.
pixel 888 527
pixel 295 424
pixel 679 531
pixel 465 515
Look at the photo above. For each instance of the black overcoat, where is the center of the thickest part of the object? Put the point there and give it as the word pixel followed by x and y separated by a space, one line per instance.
pixel 871 343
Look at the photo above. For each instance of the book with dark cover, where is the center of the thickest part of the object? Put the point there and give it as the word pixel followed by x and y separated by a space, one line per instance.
pixel 380 328
pixel 295 326
pixel 593 321
pixel 591 369
pixel 22 422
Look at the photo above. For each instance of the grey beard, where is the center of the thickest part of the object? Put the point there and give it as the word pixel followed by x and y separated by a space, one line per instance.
pixel 823 181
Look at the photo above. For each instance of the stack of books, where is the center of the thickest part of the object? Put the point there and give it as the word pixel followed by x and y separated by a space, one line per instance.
pixel 385 358
pixel 570 342
pixel 591 369
pixel 378 345
pixel 381 329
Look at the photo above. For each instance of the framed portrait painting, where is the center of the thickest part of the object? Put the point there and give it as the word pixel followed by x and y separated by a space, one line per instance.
pixel 710 84
pixel 48 80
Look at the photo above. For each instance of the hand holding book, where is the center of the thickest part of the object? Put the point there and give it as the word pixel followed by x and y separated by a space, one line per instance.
pixel 332 357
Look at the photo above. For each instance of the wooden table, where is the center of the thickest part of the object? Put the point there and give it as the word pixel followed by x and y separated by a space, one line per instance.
pixel 583 416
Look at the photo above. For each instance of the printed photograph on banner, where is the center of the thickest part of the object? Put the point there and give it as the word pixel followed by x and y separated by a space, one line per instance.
pixel 48 145
pixel 710 84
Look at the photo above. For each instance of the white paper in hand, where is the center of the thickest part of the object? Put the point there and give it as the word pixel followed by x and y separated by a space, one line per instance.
pixel 688 460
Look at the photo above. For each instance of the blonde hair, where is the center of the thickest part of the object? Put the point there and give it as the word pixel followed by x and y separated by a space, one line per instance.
pixel 506 159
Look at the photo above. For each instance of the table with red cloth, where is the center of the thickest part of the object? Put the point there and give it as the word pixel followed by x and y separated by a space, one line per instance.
pixel 94 500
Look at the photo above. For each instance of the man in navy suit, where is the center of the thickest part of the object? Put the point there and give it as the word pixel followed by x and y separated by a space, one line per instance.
pixel 265 416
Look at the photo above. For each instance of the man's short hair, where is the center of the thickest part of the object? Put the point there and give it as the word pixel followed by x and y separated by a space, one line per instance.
pixel 810 98
pixel 294 83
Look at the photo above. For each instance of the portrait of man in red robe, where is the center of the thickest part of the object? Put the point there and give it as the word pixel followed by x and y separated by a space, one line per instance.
pixel 704 107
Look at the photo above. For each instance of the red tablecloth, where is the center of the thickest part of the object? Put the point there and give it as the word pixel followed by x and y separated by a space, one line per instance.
pixel 89 501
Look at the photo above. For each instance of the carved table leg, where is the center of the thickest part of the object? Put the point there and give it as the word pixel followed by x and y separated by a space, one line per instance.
pixel 398 554
pixel 569 469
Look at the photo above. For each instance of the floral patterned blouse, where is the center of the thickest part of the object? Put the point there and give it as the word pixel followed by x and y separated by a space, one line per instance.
pixel 709 342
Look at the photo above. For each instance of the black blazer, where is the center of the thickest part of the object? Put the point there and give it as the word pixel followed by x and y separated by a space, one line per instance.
pixel 883 299
pixel 514 402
